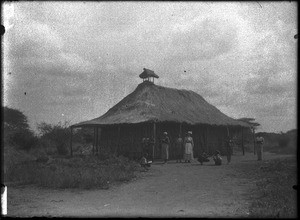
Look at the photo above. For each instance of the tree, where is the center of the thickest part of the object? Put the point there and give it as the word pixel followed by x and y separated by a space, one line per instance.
pixel 253 126
pixel 14 119
pixel 251 122
pixel 16 129
pixel 56 135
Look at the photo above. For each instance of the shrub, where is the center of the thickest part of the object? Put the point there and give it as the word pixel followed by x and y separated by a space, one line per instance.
pixel 104 153
pixel 56 135
pixel 25 140
pixel 283 141
pixel 87 172
pixel 83 135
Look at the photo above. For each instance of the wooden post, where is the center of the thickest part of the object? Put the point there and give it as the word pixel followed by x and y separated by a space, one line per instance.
pixel 254 145
pixel 180 130
pixel 243 141
pixel 132 143
pixel 97 140
pixel 118 143
pixel 154 140
pixel 206 133
pixel 94 141
pixel 71 148
pixel 227 130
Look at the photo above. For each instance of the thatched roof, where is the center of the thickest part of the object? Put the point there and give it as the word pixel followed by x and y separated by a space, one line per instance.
pixel 150 102
pixel 147 73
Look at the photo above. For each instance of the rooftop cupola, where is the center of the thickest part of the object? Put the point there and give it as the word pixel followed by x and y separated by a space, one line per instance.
pixel 147 74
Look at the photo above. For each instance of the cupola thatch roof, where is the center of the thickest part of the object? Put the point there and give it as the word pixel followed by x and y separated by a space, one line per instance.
pixel 148 73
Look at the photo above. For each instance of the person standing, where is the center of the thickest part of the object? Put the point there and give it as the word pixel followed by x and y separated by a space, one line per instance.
pixel 151 146
pixel 188 147
pixel 165 142
pixel 259 143
pixel 229 149
pixel 179 149
pixel 144 146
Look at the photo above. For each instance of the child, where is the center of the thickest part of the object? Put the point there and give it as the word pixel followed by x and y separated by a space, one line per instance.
pixel 203 158
pixel 145 163
pixel 217 158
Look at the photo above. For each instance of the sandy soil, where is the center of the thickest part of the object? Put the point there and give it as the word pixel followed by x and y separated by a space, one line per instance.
pixel 173 189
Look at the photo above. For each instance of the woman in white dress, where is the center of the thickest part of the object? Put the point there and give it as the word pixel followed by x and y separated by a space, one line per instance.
pixel 165 147
pixel 188 148
pixel 259 143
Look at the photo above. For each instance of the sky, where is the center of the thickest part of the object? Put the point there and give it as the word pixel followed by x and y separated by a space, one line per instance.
pixel 73 61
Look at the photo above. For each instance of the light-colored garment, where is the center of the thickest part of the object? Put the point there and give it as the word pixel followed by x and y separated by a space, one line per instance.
pixel 218 159
pixel 143 161
pixel 259 144
pixel 188 148
pixel 165 151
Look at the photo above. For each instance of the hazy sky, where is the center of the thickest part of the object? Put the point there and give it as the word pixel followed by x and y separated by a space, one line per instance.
pixel 75 60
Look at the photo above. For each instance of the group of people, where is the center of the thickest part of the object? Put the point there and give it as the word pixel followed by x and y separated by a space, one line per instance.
pixel 184 150
pixel 217 155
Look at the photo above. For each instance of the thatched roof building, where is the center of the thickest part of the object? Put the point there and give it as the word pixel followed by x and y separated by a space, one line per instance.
pixel 151 109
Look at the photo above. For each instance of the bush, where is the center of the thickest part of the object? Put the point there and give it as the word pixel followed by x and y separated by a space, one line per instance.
pixel 62 149
pixel 104 153
pixel 55 136
pixel 283 141
pixel 83 135
pixel 76 172
pixel 25 140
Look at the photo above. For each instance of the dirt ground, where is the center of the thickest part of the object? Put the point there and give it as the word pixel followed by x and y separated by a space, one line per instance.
pixel 169 190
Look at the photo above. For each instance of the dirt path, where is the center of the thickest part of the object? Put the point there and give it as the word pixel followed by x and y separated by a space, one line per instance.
pixel 174 189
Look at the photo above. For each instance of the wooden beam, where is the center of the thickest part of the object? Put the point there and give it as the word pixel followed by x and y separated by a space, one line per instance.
pixel 154 140
pixel 118 142
pixel 132 132
pixel 227 131
pixel 71 148
pixel 254 145
pixel 99 139
pixel 97 131
pixel 180 130
pixel 243 141
pixel 94 140
pixel 206 133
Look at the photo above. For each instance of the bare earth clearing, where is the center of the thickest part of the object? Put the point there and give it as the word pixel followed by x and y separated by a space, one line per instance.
pixel 174 189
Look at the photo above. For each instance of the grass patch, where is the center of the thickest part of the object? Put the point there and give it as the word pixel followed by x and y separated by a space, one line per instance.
pixel 274 196
pixel 77 172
